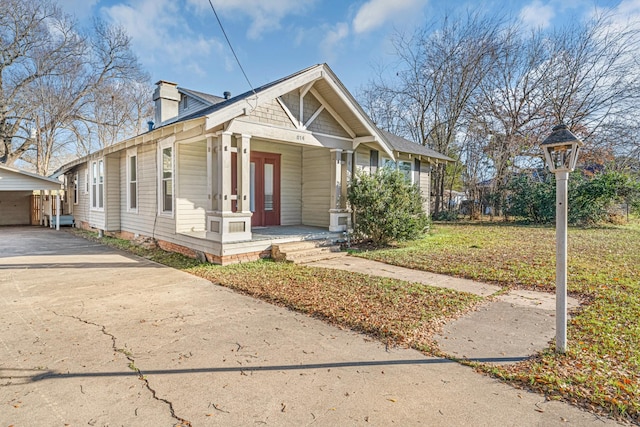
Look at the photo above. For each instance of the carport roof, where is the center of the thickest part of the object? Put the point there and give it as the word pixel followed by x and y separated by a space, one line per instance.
pixel 12 179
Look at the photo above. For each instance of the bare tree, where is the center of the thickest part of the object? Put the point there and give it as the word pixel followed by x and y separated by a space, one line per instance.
pixel 64 76
pixel 439 68
pixel 36 39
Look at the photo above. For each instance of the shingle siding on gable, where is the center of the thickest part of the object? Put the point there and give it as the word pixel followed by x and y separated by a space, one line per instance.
pixel 325 123
pixel 273 114
pixel 292 101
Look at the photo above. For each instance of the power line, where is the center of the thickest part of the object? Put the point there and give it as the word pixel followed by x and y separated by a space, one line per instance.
pixel 231 47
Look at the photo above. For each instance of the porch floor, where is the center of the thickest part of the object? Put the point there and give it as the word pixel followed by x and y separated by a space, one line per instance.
pixel 294 232
pixel 286 232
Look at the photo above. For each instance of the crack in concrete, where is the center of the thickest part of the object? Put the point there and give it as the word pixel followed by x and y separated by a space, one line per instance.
pixel 133 367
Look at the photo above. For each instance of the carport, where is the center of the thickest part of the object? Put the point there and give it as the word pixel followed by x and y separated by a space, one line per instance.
pixel 17 188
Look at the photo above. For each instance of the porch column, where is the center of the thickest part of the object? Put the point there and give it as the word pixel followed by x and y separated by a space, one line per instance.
pixel 244 175
pixel 211 181
pixel 347 170
pixel 338 215
pixel 224 225
pixel 224 172
pixel 336 178
pixel 58 210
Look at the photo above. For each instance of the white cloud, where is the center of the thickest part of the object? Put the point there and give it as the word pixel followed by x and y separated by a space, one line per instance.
pixel 265 15
pixel 333 36
pixel 161 36
pixel 537 15
pixel 375 13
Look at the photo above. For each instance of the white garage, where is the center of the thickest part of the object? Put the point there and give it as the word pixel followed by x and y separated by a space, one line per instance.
pixel 16 194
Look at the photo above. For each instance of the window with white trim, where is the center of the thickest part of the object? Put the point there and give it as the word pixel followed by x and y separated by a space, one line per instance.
pixel 165 179
pixel 97 184
pixel 132 180
pixel 405 168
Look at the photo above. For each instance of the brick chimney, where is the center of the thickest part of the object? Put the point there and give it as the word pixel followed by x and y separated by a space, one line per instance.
pixel 166 98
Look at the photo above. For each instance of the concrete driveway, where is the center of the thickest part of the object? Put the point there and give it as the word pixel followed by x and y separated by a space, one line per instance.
pixel 92 336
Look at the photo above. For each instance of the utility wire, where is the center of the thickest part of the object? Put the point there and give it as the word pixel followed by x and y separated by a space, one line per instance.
pixel 231 47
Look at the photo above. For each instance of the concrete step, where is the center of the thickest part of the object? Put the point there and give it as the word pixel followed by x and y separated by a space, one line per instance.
pixel 299 252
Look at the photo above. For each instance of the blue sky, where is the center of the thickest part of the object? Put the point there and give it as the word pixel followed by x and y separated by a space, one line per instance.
pixel 181 41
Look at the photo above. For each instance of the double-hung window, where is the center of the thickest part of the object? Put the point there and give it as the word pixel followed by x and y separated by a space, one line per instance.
pixel 97 184
pixel 165 170
pixel 132 180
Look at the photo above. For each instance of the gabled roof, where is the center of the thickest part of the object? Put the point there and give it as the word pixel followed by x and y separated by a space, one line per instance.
pixel 24 180
pixel 405 146
pixel 206 98
pixel 242 97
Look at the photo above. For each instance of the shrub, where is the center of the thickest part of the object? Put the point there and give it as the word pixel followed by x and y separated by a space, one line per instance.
pixel 590 199
pixel 387 207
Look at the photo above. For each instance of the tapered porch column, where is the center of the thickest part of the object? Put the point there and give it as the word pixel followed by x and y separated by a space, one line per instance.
pixel 338 214
pixel 224 172
pixel 244 176
pixel 336 178
pixel 224 225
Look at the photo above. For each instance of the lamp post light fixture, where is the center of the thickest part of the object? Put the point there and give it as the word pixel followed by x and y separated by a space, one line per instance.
pixel 561 153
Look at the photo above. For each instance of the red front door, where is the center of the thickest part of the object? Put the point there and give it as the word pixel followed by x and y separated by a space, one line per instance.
pixel 265 188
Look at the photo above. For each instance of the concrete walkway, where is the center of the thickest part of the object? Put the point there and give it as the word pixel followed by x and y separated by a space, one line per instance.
pixel 93 336
pixel 505 329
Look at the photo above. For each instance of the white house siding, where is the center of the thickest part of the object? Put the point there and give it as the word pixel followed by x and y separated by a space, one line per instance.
pixel 142 221
pixel 271 113
pixel 425 184
pixel 112 191
pixel 362 159
pixel 290 179
pixel 15 207
pixel 316 186
pixel 81 206
pixel 192 193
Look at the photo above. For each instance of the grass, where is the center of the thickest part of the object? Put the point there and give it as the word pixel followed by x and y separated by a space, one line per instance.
pixel 602 366
pixel 600 371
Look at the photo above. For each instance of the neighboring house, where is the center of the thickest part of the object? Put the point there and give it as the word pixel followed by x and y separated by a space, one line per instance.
pixel 25 198
pixel 222 177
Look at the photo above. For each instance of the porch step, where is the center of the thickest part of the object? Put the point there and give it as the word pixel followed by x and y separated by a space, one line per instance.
pixel 306 251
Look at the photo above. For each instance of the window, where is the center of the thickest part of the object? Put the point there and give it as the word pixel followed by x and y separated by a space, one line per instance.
pixel 405 168
pixel 373 160
pixel 97 184
pixel 165 171
pixel 402 166
pixel 75 188
pixel 132 181
pixel 185 102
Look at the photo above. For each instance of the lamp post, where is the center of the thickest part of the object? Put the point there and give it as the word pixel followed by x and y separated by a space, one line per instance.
pixel 561 153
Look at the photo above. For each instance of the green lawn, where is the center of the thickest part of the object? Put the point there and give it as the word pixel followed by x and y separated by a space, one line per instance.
pixel 602 365
pixel 601 369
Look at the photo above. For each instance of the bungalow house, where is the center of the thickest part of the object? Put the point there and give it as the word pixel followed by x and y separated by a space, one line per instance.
pixel 224 178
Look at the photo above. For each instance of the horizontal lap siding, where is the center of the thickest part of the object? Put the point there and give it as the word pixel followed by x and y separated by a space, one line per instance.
pixel 425 185
pixel 142 221
pixel 290 179
pixel 316 186
pixel 81 208
pixel 192 194
pixel 112 200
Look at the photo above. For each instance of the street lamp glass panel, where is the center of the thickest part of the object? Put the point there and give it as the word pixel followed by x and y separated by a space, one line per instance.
pixel 561 149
